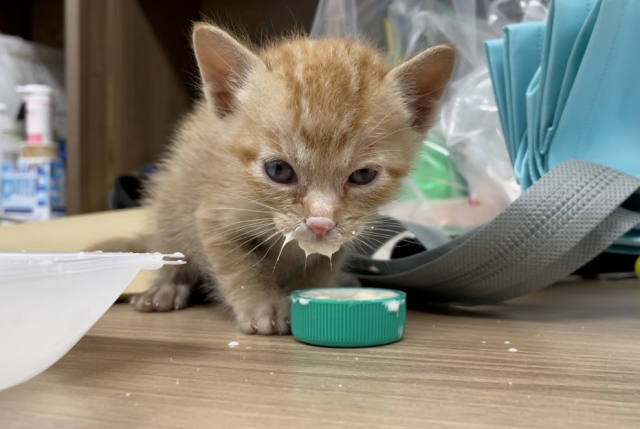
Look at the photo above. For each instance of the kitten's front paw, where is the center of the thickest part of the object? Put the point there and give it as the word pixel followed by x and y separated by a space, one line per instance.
pixel 162 297
pixel 269 316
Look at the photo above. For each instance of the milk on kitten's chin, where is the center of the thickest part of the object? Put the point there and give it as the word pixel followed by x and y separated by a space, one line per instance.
pixel 310 244
pixel 300 141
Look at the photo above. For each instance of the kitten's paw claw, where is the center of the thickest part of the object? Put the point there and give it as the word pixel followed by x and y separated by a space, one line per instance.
pixel 163 297
pixel 270 317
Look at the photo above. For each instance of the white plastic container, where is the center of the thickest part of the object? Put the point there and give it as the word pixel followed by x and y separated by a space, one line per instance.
pixel 39 113
pixel 48 301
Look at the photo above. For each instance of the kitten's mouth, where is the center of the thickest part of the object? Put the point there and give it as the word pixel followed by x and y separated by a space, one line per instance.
pixel 322 246
pixel 319 246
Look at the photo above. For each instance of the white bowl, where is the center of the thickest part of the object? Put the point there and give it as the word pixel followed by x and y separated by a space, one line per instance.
pixel 48 301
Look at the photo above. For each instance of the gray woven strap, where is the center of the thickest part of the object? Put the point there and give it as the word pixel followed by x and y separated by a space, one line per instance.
pixel 559 224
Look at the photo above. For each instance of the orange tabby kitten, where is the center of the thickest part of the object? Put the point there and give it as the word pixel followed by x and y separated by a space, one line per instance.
pixel 286 159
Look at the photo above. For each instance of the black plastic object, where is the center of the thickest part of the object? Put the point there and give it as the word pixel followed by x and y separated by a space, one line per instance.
pixel 126 192
pixel 605 263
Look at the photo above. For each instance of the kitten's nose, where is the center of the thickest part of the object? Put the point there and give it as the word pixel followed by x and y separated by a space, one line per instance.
pixel 320 225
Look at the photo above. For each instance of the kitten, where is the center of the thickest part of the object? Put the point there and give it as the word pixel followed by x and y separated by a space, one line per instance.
pixel 281 167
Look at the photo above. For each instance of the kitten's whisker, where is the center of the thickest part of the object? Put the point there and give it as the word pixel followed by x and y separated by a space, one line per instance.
pixel 390 231
pixel 242 221
pixel 256 233
pixel 379 227
pixel 237 209
pixel 244 224
pixel 268 250
pixel 349 246
pixel 252 201
pixel 378 223
pixel 366 244
pixel 379 220
pixel 354 243
pixel 384 237
pixel 375 240
pixel 248 240
pixel 373 219
pixel 385 228
pixel 256 246
pixel 400 244
pixel 253 230
pixel 360 239
pixel 279 254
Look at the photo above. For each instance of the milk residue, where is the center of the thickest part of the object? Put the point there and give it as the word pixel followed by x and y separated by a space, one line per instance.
pixel 321 247
pixel 394 306
pixel 349 294
pixel 310 247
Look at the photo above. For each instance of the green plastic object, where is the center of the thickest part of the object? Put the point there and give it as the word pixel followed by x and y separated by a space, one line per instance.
pixel 347 322
pixel 435 173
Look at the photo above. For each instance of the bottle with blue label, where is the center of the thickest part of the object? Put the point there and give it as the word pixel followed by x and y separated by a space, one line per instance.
pixel 33 186
pixel 9 146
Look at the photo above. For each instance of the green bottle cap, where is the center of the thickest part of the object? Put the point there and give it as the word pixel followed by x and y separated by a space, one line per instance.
pixel 348 316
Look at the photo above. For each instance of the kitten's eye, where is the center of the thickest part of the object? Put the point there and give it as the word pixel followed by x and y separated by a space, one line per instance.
pixel 280 172
pixel 363 176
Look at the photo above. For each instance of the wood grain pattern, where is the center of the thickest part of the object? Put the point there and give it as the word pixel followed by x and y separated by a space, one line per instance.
pixel 577 366
pixel 129 76
pixel 124 97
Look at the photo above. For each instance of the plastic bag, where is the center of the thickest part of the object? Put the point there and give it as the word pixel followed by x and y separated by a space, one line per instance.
pixel 463 176
pixel 23 63
pixel 351 18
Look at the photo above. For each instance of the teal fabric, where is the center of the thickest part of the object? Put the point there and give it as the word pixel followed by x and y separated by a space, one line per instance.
pixel 569 88
pixel 523 51
pixel 495 61
pixel 605 91
pixel 564 23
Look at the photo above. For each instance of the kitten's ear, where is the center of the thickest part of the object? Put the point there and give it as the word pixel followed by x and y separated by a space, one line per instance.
pixel 224 64
pixel 423 79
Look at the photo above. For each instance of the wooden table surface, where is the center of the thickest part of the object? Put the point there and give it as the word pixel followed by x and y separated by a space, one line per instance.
pixel 577 365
